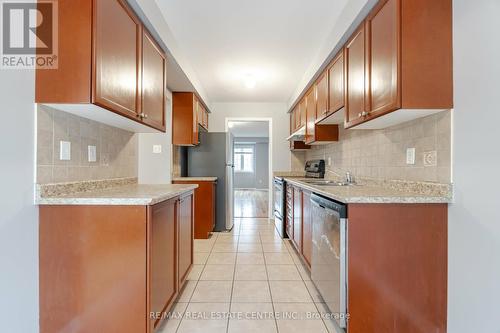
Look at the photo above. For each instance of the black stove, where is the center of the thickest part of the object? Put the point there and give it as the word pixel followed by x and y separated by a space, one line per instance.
pixel 315 169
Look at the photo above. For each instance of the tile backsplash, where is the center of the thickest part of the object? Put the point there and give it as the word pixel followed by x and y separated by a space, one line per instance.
pixel 116 149
pixel 381 154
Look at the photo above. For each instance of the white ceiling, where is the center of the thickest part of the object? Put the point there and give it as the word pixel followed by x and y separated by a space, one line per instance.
pixel 249 129
pixel 229 42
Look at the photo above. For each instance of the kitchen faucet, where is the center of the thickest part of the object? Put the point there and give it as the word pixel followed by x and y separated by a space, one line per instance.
pixel 349 178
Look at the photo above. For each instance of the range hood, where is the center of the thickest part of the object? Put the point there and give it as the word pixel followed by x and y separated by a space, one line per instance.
pixel 298 135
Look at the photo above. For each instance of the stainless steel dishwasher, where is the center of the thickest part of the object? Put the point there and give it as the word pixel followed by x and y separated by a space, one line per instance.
pixel 329 255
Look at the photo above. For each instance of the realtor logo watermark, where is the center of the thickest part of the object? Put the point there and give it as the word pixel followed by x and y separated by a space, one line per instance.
pixel 29 35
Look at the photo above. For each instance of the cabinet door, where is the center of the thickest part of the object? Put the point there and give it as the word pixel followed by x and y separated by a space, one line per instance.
pixel 322 96
pixel 302 112
pixel 195 120
pixel 153 82
pixel 205 118
pixel 311 115
pixel 383 28
pixel 356 73
pixel 116 65
pixel 336 95
pixel 306 227
pixel 163 255
pixel 185 216
pixel 297 218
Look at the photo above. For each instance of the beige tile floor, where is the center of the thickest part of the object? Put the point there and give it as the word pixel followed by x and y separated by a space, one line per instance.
pixel 247 280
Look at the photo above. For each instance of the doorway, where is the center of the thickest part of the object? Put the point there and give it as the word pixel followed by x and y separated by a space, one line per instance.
pixel 252 166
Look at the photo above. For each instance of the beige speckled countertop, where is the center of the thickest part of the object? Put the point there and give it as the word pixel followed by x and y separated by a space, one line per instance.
pixel 195 179
pixel 131 194
pixel 374 192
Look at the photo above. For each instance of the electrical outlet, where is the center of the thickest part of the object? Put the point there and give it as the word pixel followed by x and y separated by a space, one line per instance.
pixel 329 161
pixel 92 153
pixel 410 155
pixel 65 150
pixel 156 149
pixel 430 158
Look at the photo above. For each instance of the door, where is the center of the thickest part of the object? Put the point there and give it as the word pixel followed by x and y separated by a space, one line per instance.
pixel 154 69
pixel 185 244
pixel 383 26
pixel 116 57
pixel 356 79
pixel 322 96
pixel 163 238
pixel 310 116
pixel 336 95
pixel 297 218
pixel 229 181
pixel 306 227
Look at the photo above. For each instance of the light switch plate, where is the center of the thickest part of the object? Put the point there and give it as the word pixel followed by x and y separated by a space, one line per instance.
pixel 410 155
pixel 65 150
pixel 156 149
pixel 430 158
pixel 92 153
pixel 329 161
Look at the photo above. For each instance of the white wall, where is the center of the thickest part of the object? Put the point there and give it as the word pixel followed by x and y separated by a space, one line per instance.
pixel 280 120
pixel 18 215
pixel 474 218
pixel 156 168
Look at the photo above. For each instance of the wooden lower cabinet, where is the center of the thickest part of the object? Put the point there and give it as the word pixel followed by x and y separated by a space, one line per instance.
pixel 112 268
pixel 163 254
pixel 306 227
pixel 297 218
pixel 397 261
pixel 204 212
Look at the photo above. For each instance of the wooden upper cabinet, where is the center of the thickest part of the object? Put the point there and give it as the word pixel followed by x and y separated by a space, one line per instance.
pixel 404 54
pixel 310 115
pixel 302 113
pixel 383 26
pixel 105 64
pixel 356 80
pixel 117 57
pixel 336 91
pixel 317 133
pixel 322 96
pixel 202 115
pixel 154 69
pixel 185 122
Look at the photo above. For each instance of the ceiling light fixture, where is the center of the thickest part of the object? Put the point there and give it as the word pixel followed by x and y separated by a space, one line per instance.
pixel 250 81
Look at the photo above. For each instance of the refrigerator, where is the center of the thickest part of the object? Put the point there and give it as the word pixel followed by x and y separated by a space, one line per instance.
pixel 213 157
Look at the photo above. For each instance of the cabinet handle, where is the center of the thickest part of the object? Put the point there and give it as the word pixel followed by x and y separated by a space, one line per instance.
pixel 143 115
pixel 359 115
pixel 364 113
